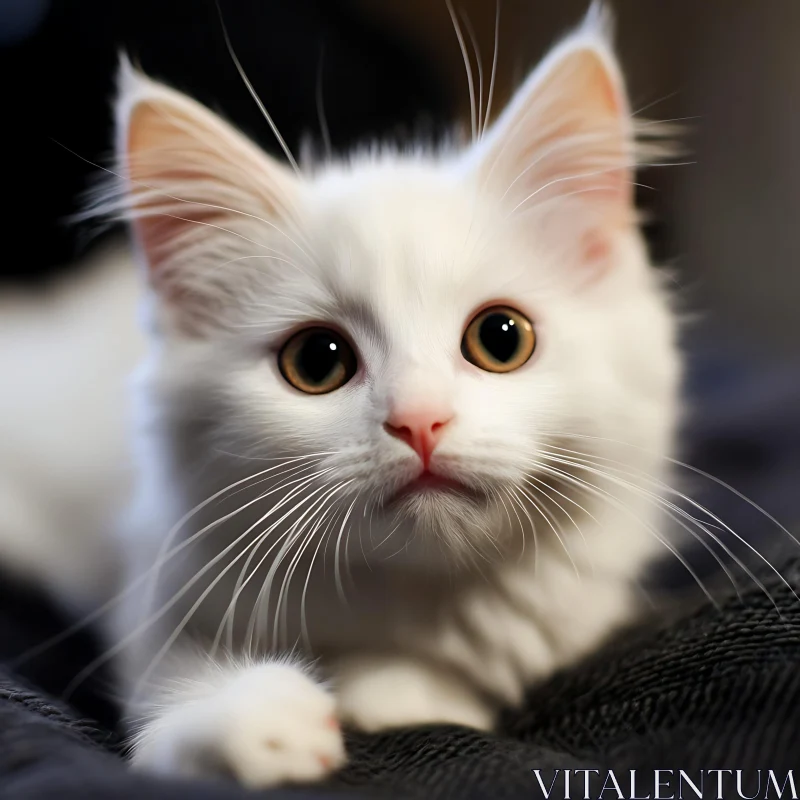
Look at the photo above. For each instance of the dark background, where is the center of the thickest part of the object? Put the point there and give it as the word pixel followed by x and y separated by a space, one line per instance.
pixel 58 60
pixel 725 226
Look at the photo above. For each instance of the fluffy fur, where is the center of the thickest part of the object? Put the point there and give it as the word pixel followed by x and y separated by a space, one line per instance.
pixel 66 354
pixel 260 525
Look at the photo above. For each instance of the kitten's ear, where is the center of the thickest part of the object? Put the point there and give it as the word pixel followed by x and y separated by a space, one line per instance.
pixel 567 132
pixel 197 192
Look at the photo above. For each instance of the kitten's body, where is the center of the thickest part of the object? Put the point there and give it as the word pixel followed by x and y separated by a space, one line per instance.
pixel 67 351
pixel 267 521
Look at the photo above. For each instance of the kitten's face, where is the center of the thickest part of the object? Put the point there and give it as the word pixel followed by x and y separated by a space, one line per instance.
pixel 423 329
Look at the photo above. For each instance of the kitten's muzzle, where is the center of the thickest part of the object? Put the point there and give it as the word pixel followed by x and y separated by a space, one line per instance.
pixel 420 427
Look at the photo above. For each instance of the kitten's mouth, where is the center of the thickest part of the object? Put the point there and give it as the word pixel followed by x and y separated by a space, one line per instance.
pixel 428 483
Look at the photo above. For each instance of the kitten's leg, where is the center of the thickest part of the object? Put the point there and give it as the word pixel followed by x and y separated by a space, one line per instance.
pixel 264 723
pixel 377 692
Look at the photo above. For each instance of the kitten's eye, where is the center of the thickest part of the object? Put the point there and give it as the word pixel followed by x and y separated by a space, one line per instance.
pixel 499 339
pixel 317 361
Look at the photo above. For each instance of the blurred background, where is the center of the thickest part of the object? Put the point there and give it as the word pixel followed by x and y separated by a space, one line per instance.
pixel 726 227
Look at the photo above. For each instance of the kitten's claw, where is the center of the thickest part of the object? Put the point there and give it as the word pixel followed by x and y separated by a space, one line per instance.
pixel 267 725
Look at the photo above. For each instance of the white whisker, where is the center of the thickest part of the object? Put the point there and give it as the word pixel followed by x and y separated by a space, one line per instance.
pixel 490 97
pixel 288 538
pixel 542 489
pixel 677 510
pixel 120 645
pixel 337 555
pixel 608 497
pixel 467 67
pixel 242 582
pixel 283 591
pixel 696 505
pixel 323 120
pixel 140 580
pixel 674 512
pixel 254 94
pixel 547 517
pixel 479 62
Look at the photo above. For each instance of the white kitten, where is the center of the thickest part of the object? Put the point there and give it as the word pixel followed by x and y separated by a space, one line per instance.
pixel 375 423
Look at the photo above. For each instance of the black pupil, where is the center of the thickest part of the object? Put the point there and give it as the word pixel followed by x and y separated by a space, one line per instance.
pixel 318 357
pixel 500 337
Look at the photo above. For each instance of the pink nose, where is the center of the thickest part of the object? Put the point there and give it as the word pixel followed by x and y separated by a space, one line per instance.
pixel 420 428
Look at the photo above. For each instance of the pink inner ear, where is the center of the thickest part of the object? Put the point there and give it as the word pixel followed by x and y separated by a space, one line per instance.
pixel 159 233
pixel 567 134
pixel 160 237
pixel 196 188
pixel 595 248
pixel 154 164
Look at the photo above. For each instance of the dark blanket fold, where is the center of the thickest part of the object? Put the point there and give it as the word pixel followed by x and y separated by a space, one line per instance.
pixel 718 689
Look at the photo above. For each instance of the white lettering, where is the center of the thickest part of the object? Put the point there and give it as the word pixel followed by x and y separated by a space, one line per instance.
pixel 682 776
pixel 546 792
pixel 586 772
pixel 614 785
pixel 739 786
pixel 719 780
pixel 659 785
pixel 774 781
pixel 633 788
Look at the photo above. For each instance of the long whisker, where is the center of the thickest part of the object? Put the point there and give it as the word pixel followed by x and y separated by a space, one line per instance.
pixel 165 553
pixel 479 62
pixel 592 174
pixel 242 582
pixel 303 619
pixel 93 211
pixel 254 94
pixel 487 118
pixel 288 538
pixel 319 514
pixel 542 489
pixel 501 496
pixel 692 502
pixel 186 587
pixel 337 572
pixel 702 527
pixel 467 67
pixel 675 513
pixel 323 120
pixel 173 637
pixel 545 153
pixel 608 497
pixel 347 560
pixel 280 259
pixel 140 580
pixel 515 498
pixel 653 103
pixel 547 517
pixel 288 534
pixel 657 500
pixel 697 471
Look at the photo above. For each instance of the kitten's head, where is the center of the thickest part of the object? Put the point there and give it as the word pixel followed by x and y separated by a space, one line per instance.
pixel 412 334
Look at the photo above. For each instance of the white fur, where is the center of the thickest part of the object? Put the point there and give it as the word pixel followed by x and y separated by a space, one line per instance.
pixel 66 352
pixel 265 722
pixel 258 526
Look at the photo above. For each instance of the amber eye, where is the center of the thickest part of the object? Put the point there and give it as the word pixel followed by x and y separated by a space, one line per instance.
pixel 499 339
pixel 317 361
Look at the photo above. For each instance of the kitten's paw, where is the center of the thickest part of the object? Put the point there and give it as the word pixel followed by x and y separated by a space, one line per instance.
pixel 379 693
pixel 263 725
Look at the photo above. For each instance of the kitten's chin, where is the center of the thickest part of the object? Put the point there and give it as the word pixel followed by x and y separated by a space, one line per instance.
pixel 432 488
pixel 442 516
